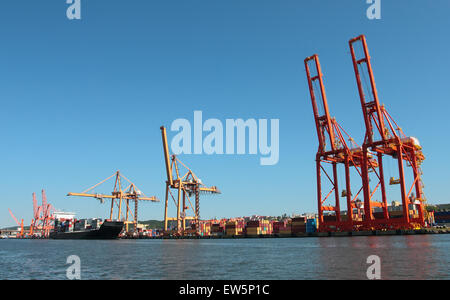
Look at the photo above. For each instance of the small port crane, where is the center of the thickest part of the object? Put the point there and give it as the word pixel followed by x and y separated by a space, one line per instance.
pixel 118 196
pixel 187 185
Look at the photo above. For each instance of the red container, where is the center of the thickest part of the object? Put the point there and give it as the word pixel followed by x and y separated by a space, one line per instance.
pixel 329 218
pixel 299 219
pixel 216 228
pixel 378 215
pixel 253 224
pixel 299 228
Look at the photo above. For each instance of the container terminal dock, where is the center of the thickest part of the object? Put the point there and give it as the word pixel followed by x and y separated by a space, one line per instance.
pixel 369 211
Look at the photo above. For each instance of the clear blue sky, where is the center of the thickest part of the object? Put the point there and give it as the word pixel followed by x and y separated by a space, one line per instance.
pixel 81 99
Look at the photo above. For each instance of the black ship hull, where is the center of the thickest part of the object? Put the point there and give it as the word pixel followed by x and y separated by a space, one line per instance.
pixel 109 230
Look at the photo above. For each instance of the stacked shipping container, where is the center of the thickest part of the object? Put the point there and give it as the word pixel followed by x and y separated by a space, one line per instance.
pixel 441 217
pixel 286 229
pixel 329 218
pixel 311 225
pixel 259 227
pixel 234 228
pixel 217 229
pixel 277 225
pixel 205 229
pixel 299 225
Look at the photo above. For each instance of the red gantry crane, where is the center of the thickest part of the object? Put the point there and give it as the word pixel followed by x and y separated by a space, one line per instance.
pixel 186 185
pixel 385 138
pixel 333 150
pixel 42 217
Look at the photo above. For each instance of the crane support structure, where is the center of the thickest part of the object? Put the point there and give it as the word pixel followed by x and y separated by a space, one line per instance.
pixel 119 195
pixel 335 152
pixel 42 221
pixel 385 138
pixel 187 185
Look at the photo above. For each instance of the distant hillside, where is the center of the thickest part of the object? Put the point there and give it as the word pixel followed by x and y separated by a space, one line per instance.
pixel 438 207
pixel 153 224
pixel 15 227
pixel 156 224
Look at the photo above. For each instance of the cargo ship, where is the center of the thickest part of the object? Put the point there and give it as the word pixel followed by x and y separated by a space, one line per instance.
pixel 92 229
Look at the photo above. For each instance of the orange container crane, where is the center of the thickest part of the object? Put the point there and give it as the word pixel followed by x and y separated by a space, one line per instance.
pixel 382 138
pixel 42 217
pixel 337 151
pixel 118 196
pixel 33 224
pixel 47 215
pixel 187 185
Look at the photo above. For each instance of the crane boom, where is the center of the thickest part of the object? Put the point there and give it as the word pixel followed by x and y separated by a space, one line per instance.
pixel 166 155
pixel 35 207
pixel 124 196
pixel 118 195
pixel 370 103
pixel 323 122
pixel 15 219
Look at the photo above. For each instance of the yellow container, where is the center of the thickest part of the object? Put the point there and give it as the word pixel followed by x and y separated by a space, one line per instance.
pixel 254 231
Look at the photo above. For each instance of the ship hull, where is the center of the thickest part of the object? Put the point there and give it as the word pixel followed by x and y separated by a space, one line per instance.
pixel 109 230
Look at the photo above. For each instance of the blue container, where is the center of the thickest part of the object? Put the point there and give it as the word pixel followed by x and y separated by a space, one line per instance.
pixel 442 213
pixel 310 229
pixel 441 221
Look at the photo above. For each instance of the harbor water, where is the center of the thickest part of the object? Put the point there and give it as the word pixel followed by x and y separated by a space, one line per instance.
pixel 402 257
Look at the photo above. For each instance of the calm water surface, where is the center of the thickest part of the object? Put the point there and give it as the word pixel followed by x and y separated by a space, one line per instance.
pixel 402 257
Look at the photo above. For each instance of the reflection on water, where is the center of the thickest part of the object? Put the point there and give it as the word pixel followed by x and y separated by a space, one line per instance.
pixel 402 257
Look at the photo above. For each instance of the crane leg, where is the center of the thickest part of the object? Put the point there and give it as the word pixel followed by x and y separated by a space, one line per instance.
pixel 112 209
pixel 405 200
pixel 135 215
pixel 179 207
pixel 184 210
pixel 197 208
pixel 165 208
